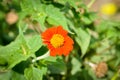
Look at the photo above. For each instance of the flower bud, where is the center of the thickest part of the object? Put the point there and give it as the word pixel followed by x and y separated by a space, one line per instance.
pixel 101 69
pixel 11 17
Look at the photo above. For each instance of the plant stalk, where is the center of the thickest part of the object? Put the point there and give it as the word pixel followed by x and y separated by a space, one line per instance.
pixel 47 54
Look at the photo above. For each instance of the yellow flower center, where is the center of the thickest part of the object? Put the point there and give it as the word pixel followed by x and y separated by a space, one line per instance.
pixel 57 40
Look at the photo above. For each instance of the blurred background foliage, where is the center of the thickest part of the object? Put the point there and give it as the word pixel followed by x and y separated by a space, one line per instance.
pixel 94 25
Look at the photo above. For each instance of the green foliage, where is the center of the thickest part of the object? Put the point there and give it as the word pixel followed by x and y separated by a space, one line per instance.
pixel 76 65
pixel 83 40
pixel 21 43
pixel 16 50
pixel 56 66
pixel 33 73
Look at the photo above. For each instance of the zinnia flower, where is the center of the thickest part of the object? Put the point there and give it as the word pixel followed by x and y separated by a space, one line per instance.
pixel 57 41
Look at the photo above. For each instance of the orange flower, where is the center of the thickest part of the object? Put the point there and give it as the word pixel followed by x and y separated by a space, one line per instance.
pixel 57 41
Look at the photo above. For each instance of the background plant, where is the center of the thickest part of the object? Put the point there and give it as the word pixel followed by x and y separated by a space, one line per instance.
pixel 21 43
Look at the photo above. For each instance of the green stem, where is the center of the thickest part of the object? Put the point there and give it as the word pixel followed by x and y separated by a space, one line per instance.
pixel 47 54
pixel 91 3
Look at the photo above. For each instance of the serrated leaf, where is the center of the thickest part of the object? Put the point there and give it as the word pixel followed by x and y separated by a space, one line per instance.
pixel 33 73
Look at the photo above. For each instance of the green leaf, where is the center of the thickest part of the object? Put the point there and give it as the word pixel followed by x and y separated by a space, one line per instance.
pixel 36 10
pixel 56 66
pixel 11 75
pixel 30 6
pixel 5 76
pixel 52 21
pixel 86 20
pixel 84 75
pixel 55 17
pixel 75 66
pixel 2 61
pixel 103 57
pixel 15 52
pixel 33 73
pixel 27 5
pixel 71 2
pixel 40 15
pixel 93 16
pixel 35 43
pixel 19 50
pixel 83 40
pixel 51 59
pixel 17 76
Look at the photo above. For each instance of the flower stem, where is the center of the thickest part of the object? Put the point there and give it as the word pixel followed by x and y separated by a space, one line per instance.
pixel 92 65
pixel 91 3
pixel 47 54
